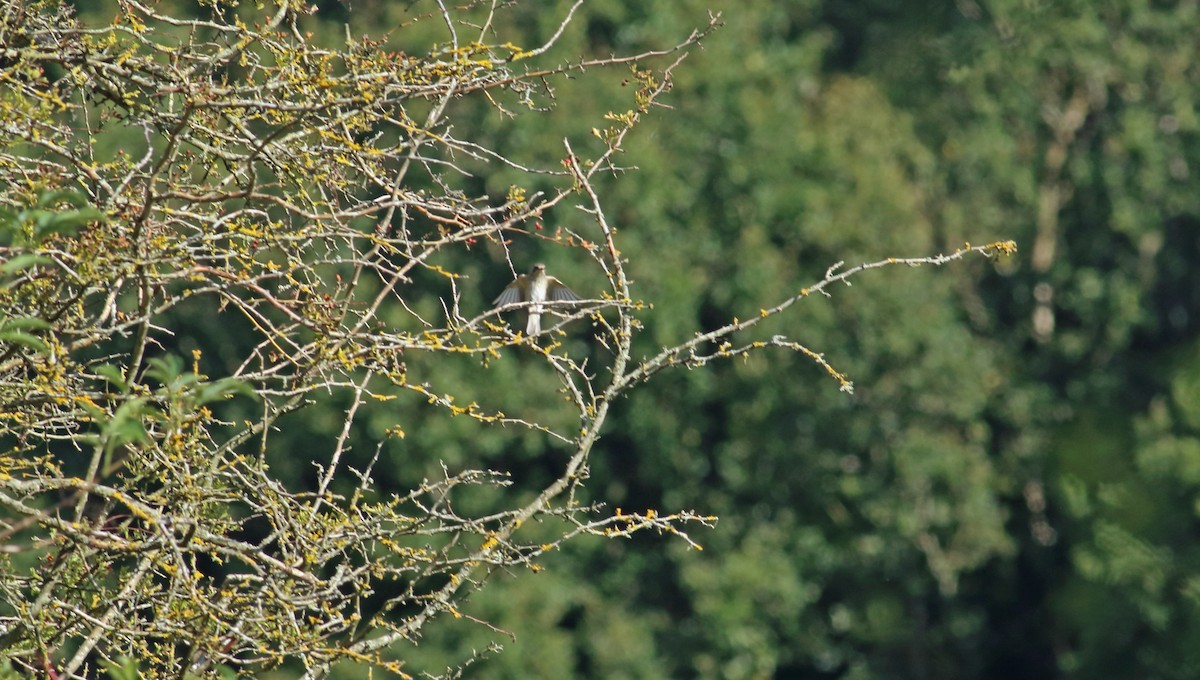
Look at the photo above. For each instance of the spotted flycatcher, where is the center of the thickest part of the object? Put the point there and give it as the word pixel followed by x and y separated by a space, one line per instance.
pixel 535 287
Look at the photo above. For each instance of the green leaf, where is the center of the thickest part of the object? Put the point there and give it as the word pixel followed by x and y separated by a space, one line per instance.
pixel 165 369
pixel 65 223
pixel 126 425
pixel 123 668
pixel 113 375
pixel 96 413
pixel 24 323
pixel 21 262
pixel 221 389
pixel 15 331
pixel 51 199
pixel 24 339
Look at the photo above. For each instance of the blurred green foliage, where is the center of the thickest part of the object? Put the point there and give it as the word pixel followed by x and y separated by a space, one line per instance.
pixel 998 499
pixel 994 502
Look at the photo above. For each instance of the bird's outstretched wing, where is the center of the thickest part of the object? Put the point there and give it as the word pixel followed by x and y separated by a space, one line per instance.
pixel 510 294
pixel 557 292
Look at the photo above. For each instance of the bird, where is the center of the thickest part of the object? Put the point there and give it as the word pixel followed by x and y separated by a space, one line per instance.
pixel 536 286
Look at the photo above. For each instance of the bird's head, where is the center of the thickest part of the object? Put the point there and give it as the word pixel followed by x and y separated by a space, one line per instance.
pixel 538 268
